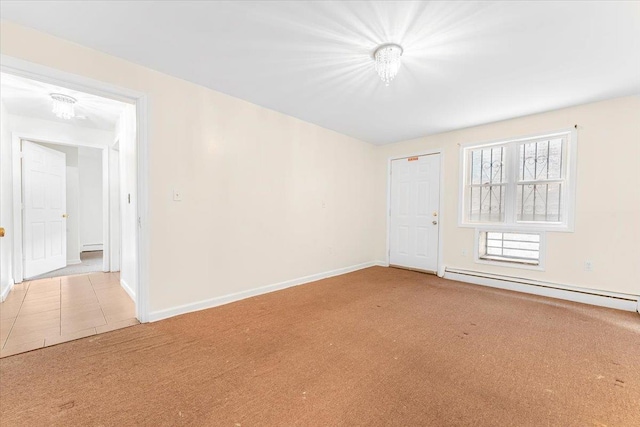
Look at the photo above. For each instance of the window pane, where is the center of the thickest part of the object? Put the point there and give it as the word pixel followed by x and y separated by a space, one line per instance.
pixel 494 251
pixel 487 166
pixel 513 253
pixel 487 203
pixel 539 202
pixel 523 237
pixel 541 160
pixel 521 245
pixel 510 247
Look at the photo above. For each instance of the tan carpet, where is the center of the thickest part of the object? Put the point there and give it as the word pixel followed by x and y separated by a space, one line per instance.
pixel 376 347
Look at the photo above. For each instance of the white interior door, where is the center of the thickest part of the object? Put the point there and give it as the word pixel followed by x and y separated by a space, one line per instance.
pixel 44 209
pixel 414 213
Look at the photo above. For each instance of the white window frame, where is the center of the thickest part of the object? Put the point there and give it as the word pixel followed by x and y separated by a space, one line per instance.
pixel 506 262
pixel 510 223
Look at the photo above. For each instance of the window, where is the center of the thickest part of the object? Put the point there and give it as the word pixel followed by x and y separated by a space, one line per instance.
pixel 522 184
pixel 521 249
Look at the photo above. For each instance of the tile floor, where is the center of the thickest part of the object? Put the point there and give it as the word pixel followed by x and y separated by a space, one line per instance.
pixel 44 312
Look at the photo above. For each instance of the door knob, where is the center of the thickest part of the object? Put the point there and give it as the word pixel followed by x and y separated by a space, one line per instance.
pixel 435 222
pixel 1 231
pixel 64 215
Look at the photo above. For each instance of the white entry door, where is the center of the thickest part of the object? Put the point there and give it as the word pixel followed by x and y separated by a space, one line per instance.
pixel 414 213
pixel 44 209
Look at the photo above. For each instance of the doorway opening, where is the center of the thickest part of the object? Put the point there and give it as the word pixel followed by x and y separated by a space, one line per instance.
pixel 72 177
pixel 73 239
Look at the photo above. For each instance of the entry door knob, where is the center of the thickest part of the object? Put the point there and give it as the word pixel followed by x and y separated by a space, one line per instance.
pixel 435 222
pixel 64 215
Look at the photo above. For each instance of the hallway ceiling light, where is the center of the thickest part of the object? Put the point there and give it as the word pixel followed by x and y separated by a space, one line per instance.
pixel 387 57
pixel 63 106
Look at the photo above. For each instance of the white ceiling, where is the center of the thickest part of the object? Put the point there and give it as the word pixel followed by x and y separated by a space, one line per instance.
pixel 30 98
pixel 464 63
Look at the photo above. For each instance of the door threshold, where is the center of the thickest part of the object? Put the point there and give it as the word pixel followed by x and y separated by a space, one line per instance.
pixel 417 270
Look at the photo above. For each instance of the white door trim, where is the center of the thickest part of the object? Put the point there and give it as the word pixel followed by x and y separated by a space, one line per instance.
pixel 439 151
pixel 42 73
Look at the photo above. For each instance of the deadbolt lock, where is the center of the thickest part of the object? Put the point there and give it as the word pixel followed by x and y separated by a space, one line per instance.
pixel 435 214
pixel 64 215
pixel 1 231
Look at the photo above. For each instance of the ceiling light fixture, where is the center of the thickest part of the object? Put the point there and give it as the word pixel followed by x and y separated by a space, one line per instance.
pixel 63 106
pixel 387 57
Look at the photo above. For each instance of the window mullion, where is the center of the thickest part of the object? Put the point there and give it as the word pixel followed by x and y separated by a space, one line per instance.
pixel 511 159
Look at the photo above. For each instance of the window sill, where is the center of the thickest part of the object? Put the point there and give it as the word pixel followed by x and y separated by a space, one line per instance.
pixel 523 227
pixel 506 262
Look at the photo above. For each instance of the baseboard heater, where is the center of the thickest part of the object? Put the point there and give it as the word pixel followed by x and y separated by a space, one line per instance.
pixel 619 301
pixel 89 247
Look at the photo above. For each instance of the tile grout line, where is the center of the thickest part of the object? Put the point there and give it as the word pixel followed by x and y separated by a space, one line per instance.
pixel 99 305
pixel 15 319
pixel 44 340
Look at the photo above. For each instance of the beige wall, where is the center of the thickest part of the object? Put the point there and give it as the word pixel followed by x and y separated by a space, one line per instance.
pixel 607 227
pixel 266 197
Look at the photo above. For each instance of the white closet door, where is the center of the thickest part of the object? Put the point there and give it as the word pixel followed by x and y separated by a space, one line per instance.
pixel 44 209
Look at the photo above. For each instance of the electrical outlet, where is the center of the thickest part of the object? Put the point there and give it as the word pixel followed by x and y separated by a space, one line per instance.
pixel 588 266
pixel 177 195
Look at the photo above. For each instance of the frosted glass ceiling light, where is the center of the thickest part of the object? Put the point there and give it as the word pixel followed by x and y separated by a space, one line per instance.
pixel 63 106
pixel 387 58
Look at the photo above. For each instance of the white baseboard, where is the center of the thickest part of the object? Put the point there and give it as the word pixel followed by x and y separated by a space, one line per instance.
pixel 6 289
pixel 74 261
pixel 128 289
pixel 88 247
pixel 570 293
pixel 226 299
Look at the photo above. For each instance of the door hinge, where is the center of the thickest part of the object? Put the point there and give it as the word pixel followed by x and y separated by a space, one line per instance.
pixel 139 222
